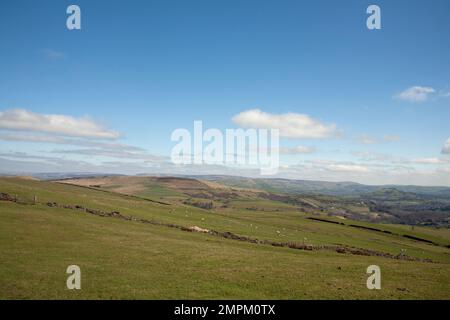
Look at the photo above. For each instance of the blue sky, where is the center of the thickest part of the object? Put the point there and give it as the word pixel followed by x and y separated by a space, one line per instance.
pixel 145 68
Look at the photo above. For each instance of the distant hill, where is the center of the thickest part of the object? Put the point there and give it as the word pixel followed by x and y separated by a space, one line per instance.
pixel 276 185
pixel 387 204
pixel 320 187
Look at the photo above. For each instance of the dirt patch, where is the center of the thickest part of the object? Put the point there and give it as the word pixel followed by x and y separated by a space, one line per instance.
pixel 198 229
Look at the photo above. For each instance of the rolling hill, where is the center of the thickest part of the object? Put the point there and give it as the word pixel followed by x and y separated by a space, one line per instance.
pixel 381 205
pixel 142 237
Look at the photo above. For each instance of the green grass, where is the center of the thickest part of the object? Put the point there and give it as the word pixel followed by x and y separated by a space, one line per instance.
pixel 123 259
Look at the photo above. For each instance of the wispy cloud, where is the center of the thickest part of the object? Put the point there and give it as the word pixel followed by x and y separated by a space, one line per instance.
pixel 446 148
pixel 291 125
pixel 23 120
pixel 375 157
pixel 365 139
pixel 415 94
pixel 53 54
pixel 431 161
pixel 391 138
pixel 122 154
pixel 355 168
pixel 389 159
pixel 445 94
pixel 297 150
pixel 53 139
pixel 367 173
pixel 325 169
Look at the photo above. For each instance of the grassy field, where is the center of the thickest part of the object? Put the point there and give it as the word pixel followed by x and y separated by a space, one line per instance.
pixel 122 259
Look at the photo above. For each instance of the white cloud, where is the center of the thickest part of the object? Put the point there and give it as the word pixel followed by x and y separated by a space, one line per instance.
pixel 297 150
pixel 446 148
pixel 416 94
pixel 291 125
pixel 23 120
pixel 430 161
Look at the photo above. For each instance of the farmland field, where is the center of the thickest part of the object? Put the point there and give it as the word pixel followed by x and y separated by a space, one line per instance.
pixel 46 226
